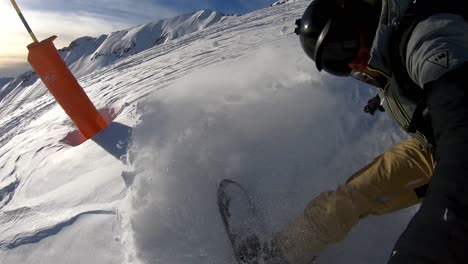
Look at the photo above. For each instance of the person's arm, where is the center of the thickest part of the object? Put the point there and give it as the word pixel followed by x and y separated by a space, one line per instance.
pixel 438 233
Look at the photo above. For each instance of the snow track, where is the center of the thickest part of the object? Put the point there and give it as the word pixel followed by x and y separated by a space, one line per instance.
pixel 39 234
pixel 7 190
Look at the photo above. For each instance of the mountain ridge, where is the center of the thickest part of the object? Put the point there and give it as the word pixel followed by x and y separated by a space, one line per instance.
pixel 87 54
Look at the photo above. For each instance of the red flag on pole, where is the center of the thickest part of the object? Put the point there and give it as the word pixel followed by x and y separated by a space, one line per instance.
pixel 50 67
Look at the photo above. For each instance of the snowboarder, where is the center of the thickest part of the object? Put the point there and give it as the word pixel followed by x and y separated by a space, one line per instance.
pixel 416 54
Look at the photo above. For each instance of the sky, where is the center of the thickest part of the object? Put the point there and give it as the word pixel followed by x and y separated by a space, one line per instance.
pixel 72 19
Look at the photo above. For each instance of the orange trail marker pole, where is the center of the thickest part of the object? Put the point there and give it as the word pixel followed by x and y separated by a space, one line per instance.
pixel 50 67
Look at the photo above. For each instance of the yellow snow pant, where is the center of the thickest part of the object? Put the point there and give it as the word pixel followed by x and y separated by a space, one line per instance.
pixel 389 183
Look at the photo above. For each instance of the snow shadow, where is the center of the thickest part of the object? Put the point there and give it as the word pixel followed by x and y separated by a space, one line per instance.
pixel 75 138
pixel 115 139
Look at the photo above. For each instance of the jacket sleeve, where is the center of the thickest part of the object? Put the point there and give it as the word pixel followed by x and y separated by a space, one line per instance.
pixel 437 45
pixel 437 58
pixel 438 233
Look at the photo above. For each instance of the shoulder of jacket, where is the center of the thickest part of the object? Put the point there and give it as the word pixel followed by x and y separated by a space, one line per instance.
pixel 437 45
pixel 390 19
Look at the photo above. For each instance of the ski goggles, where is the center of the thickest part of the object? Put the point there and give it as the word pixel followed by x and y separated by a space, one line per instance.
pixel 335 47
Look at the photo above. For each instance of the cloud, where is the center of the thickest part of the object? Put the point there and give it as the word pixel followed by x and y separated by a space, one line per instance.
pixel 72 19
pixel 68 20
pixel 131 11
pixel 232 6
pixel 77 18
pixel 13 66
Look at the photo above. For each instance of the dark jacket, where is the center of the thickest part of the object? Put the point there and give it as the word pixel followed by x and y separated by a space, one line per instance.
pixel 430 70
pixel 438 233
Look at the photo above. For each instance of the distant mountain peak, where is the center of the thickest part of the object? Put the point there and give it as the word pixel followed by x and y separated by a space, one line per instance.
pixel 87 54
pixel 280 2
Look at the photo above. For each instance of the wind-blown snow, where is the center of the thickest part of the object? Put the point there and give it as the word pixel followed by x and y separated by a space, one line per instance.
pixel 234 100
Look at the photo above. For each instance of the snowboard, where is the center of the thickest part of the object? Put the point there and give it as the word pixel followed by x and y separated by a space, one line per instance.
pixel 240 220
pixel 246 230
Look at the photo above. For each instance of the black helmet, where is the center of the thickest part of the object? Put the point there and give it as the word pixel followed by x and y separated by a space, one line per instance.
pixel 328 32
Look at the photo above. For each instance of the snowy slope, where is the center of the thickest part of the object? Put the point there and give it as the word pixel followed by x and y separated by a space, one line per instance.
pixel 86 55
pixel 237 99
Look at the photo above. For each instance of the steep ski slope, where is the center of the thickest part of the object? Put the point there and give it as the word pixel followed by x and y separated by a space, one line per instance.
pixel 237 99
